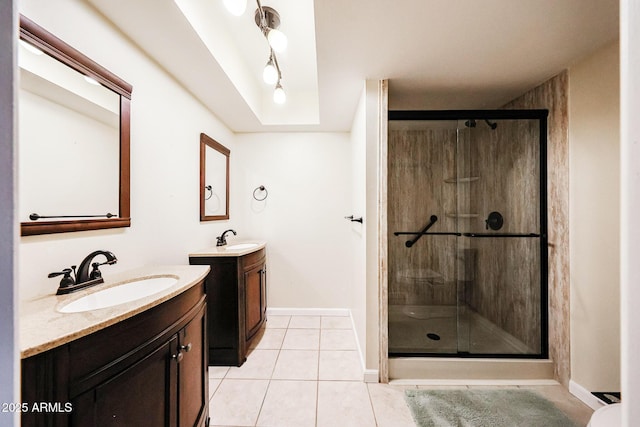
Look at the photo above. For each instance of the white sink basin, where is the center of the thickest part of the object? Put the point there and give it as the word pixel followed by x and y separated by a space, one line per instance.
pixel 119 294
pixel 241 246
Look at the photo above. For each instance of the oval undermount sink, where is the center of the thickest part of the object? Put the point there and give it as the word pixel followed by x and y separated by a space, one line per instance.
pixel 119 294
pixel 241 246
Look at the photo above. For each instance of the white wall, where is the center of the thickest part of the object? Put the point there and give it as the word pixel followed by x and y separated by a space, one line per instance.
pixel 358 231
pixel 308 179
pixel 630 227
pixel 166 122
pixel 594 135
pixel 365 146
pixel 9 374
pixel 374 98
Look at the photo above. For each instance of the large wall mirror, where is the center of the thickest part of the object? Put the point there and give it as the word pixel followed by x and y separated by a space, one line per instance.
pixel 73 138
pixel 214 179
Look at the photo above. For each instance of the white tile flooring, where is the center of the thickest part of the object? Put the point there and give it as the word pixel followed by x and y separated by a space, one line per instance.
pixel 306 371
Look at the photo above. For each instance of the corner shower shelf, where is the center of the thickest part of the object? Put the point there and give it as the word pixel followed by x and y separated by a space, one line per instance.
pixel 462 215
pixel 461 179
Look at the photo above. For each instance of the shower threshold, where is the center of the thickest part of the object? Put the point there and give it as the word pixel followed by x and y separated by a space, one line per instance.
pixel 436 370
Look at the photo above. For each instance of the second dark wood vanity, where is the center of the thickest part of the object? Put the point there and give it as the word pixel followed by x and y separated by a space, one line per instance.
pixel 236 292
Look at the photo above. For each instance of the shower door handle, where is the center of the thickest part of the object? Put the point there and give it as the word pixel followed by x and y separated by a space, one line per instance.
pixel 479 235
pixel 419 234
pixel 500 235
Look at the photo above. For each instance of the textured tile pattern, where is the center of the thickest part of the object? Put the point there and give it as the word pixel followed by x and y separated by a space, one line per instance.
pixel 553 95
pixel 344 403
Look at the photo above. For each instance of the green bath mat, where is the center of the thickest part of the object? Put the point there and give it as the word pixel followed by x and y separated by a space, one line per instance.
pixel 480 408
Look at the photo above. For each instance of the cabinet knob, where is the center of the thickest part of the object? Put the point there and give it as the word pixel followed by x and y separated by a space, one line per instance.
pixel 186 348
pixel 178 357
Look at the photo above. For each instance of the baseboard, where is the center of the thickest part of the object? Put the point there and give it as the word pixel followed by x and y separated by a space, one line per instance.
pixel 585 395
pixel 283 311
pixel 371 376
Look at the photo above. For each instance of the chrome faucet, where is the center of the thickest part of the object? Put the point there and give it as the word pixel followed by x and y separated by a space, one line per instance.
pixel 222 239
pixel 83 277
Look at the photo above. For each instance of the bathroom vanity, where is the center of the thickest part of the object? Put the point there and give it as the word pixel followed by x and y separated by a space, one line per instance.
pixel 236 291
pixel 138 363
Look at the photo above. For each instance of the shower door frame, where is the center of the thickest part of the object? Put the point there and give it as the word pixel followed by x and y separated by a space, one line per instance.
pixel 533 114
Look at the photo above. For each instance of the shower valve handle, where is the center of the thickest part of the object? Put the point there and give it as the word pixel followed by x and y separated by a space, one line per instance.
pixel 494 221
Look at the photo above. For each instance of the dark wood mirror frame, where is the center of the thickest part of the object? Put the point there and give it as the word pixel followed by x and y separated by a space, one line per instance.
pixel 56 48
pixel 206 141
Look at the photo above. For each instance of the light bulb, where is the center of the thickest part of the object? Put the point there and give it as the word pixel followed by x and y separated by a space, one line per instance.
pixel 270 73
pixel 236 7
pixel 279 97
pixel 277 40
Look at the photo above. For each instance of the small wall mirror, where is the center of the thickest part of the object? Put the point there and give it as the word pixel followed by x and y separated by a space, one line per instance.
pixel 74 138
pixel 214 179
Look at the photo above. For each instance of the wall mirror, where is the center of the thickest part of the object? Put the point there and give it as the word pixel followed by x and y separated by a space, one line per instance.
pixel 74 138
pixel 214 179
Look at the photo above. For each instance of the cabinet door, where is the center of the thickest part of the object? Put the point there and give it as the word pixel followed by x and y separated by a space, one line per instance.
pixel 192 373
pixel 255 303
pixel 45 378
pixel 141 395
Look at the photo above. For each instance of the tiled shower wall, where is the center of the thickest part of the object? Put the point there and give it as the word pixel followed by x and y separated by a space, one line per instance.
pixel 553 95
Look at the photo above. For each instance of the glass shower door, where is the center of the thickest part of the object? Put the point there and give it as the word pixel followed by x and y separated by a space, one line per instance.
pixel 467 261
pixel 498 218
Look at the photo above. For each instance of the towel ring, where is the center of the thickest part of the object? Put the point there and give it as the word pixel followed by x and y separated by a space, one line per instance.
pixel 261 188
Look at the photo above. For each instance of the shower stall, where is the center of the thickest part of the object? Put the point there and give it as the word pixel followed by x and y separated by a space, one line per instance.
pixel 467 233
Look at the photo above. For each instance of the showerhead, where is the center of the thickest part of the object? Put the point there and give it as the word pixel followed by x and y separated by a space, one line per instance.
pixel 491 125
pixel 471 123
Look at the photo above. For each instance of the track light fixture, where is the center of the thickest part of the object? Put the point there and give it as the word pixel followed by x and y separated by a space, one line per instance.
pixel 268 20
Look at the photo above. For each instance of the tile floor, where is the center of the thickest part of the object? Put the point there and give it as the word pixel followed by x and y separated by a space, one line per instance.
pixel 305 371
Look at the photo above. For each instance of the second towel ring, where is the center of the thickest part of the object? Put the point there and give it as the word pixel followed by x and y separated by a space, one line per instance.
pixel 261 188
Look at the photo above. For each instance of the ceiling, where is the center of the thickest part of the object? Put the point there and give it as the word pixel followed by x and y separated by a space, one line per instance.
pixel 437 54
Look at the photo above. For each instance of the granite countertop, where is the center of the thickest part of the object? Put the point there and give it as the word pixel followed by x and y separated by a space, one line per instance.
pixel 42 327
pixel 239 248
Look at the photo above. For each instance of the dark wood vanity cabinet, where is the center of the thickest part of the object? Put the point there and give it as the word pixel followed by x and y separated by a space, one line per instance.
pixel 149 370
pixel 236 290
